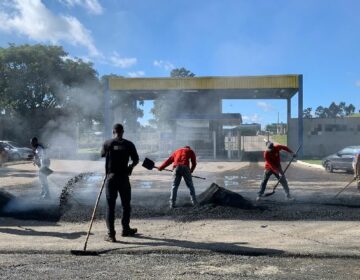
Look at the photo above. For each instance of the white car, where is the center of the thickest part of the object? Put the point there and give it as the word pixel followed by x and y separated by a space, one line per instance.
pixel 15 152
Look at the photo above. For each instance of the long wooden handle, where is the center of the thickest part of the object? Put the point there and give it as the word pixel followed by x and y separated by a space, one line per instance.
pixel 286 168
pixel 348 184
pixel 198 177
pixel 93 214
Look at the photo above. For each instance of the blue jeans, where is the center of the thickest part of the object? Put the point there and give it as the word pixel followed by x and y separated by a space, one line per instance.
pixel 182 171
pixel 267 175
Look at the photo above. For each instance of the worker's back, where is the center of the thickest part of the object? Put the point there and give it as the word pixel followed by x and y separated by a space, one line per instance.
pixel 117 153
pixel 182 156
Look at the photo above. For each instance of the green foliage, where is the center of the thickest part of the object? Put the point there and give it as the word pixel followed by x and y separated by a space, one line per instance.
pixel 280 139
pixel 40 77
pixel 356 115
pixel 181 73
pixel 335 110
pixel 307 113
pixel 39 83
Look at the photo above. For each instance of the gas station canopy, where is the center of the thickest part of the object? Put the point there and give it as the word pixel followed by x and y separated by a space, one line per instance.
pixel 238 87
pixel 211 88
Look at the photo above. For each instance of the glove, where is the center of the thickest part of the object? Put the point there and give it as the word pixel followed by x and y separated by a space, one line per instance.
pixel 130 169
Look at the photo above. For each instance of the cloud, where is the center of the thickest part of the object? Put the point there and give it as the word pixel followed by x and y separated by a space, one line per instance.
pixel 136 74
pixel 92 6
pixel 255 118
pixel 168 66
pixel 122 62
pixel 357 83
pixel 267 107
pixel 32 19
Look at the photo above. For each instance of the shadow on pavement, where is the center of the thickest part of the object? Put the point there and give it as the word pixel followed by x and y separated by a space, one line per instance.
pixel 233 248
pixel 31 232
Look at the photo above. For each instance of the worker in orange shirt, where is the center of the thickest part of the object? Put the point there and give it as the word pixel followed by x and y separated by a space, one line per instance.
pixel 181 159
pixel 273 167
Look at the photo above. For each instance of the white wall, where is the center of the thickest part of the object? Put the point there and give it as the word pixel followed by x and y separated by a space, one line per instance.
pixel 325 136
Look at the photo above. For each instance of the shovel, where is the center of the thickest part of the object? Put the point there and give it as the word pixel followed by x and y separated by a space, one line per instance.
pixel 277 183
pixel 84 252
pixel 150 165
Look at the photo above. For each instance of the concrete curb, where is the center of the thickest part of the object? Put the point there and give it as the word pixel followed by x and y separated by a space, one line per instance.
pixel 310 164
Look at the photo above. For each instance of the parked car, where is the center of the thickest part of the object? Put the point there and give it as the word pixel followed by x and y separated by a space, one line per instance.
pixel 15 152
pixel 4 155
pixel 342 160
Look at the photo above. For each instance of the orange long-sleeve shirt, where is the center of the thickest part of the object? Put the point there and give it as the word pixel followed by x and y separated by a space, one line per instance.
pixel 272 158
pixel 182 156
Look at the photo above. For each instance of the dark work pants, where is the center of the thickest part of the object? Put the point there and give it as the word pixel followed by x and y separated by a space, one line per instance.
pixel 115 184
pixel 267 175
pixel 182 171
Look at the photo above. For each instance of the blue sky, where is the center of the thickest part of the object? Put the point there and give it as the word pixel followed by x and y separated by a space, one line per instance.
pixel 147 38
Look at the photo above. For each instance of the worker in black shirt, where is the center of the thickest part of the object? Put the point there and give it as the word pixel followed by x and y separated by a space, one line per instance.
pixel 117 152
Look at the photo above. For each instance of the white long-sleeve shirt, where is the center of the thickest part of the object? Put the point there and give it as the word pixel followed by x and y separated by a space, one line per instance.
pixel 40 157
pixel 356 164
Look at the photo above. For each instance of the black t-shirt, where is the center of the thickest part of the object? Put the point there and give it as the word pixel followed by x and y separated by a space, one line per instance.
pixel 117 153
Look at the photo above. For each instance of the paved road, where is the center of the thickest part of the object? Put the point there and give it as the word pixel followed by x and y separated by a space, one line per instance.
pixel 316 237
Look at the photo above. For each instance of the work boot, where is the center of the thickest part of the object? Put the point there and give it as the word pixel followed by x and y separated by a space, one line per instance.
pixel 194 201
pixel 129 232
pixel 110 238
pixel 289 198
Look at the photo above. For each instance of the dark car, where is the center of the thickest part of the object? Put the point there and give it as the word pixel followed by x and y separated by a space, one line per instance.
pixel 15 152
pixel 342 160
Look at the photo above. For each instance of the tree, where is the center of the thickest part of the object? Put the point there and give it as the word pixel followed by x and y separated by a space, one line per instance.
pixel 181 73
pixel 41 77
pixel 320 112
pixel 349 110
pixel 335 111
pixel 307 113
pixel 168 106
pixel 41 83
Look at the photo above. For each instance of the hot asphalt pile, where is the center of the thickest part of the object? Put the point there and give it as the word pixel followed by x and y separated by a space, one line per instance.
pixel 11 206
pixel 212 206
pixel 5 199
pixel 73 210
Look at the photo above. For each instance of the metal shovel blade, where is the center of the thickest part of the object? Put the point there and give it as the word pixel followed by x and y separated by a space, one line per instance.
pixel 148 164
pixel 270 193
pixel 84 253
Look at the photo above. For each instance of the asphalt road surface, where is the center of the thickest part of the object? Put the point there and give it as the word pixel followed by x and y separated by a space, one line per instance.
pixel 314 237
